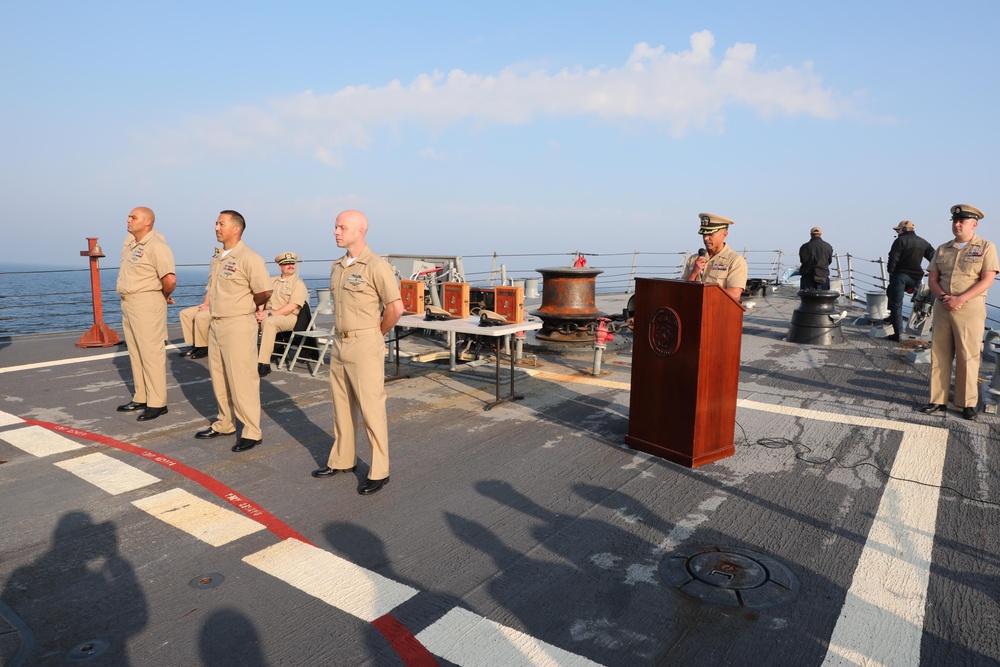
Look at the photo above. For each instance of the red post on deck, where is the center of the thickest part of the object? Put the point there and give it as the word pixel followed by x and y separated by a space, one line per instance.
pixel 99 335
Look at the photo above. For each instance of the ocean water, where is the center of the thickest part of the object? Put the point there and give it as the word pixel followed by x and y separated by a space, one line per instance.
pixel 47 299
pixel 39 299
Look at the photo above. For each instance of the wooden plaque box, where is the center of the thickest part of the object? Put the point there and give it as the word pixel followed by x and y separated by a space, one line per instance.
pixel 412 293
pixel 456 299
pixel 509 302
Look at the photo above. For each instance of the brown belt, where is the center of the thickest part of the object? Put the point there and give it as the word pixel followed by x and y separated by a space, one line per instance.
pixel 352 334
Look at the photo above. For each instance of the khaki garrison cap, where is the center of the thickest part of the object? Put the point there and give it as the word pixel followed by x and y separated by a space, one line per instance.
pixel 287 258
pixel 711 223
pixel 904 226
pixel 965 212
pixel 816 231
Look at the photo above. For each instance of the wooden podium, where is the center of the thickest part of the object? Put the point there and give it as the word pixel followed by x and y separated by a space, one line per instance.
pixel 685 371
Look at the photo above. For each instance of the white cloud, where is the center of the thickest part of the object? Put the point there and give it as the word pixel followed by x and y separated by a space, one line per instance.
pixel 685 92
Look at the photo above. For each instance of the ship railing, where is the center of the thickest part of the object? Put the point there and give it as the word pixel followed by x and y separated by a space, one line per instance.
pixel 65 305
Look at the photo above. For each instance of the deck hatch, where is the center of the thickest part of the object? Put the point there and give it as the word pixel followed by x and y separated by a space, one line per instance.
pixel 729 576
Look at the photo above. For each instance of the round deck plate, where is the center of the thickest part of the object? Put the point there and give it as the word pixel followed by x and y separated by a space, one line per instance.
pixel 729 576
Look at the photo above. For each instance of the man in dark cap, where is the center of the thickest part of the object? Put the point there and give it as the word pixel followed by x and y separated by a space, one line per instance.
pixel 720 264
pixel 905 271
pixel 815 256
pixel 959 275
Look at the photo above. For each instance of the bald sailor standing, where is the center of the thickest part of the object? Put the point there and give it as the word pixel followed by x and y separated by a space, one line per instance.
pixel 719 265
pixel 145 281
pixel 367 306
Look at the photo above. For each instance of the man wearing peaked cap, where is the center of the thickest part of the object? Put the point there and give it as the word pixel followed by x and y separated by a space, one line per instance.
pixel 960 273
pixel 718 264
pixel 288 295
pixel 905 271
pixel 815 256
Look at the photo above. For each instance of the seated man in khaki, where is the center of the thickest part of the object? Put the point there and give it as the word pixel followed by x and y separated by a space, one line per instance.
pixel 194 323
pixel 288 295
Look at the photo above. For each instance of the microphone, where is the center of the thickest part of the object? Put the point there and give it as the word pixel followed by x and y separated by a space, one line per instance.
pixel 701 252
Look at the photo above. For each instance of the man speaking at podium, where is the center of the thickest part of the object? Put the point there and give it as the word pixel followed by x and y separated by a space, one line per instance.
pixel 717 264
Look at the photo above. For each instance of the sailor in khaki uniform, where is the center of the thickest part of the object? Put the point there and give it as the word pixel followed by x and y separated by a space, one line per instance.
pixel 145 281
pixel 959 275
pixel 720 265
pixel 237 284
pixel 288 295
pixel 367 306
pixel 194 325
pixel 195 322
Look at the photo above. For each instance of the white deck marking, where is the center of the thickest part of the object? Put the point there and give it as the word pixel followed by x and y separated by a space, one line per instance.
pixel 470 640
pixel 340 583
pixel 108 473
pixel 208 522
pixel 39 441
pixel 7 419
pixel 74 360
pixel 882 620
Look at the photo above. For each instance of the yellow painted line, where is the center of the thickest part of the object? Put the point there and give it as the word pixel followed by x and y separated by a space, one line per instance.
pixel 338 582
pixel 39 441
pixel 577 378
pixel 208 522
pixel 470 640
pixel 108 473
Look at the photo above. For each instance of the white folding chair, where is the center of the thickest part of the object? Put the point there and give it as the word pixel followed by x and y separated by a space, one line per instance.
pixel 318 337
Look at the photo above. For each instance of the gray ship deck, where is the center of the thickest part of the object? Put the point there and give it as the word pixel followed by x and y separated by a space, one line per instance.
pixel 525 535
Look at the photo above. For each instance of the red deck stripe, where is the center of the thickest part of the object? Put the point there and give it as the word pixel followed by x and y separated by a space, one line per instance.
pixel 409 649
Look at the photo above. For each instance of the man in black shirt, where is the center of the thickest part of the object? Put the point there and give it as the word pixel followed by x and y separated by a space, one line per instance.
pixel 815 256
pixel 905 272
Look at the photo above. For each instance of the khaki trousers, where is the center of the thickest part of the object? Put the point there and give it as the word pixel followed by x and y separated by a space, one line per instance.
pixel 194 325
pixel 957 335
pixel 232 363
pixel 144 320
pixel 269 328
pixel 357 382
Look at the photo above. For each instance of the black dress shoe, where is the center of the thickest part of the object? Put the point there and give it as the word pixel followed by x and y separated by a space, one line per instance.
pixel 131 406
pixel 210 433
pixel 184 353
pixel 198 353
pixel 969 413
pixel 893 337
pixel 151 413
pixel 263 369
pixel 372 485
pixel 330 472
pixel 243 444
pixel 933 407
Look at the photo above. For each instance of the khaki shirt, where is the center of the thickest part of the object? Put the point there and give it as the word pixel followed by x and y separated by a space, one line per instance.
pixel 234 279
pixel 144 264
pixel 960 268
pixel 727 269
pixel 287 290
pixel 360 290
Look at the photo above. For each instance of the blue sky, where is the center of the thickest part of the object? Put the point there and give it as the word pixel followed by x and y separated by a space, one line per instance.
pixel 469 128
